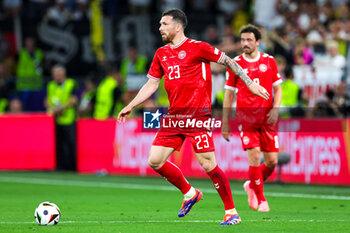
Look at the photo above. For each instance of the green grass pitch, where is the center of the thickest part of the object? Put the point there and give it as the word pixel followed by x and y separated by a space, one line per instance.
pixel 139 204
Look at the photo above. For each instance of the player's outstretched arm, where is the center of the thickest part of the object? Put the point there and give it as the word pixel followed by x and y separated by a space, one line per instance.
pixel 145 92
pixel 255 88
pixel 226 112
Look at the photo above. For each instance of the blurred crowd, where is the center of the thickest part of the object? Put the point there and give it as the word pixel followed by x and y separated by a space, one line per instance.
pixel 297 33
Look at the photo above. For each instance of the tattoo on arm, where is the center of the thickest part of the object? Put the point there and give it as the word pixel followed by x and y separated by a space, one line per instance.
pixel 237 69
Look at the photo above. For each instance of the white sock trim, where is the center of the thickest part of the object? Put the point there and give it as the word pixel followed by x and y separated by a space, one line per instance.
pixel 231 211
pixel 190 194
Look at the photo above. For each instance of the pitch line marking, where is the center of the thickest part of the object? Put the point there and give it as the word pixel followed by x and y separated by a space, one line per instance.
pixel 184 221
pixel 152 187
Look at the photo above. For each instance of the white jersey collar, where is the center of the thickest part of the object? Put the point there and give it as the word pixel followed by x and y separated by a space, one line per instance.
pixel 179 44
pixel 251 59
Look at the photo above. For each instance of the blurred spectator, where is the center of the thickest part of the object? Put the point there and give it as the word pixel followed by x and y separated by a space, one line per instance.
pixel 82 11
pixel 88 97
pixel 218 84
pixel 325 13
pixel 15 106
pixel 4 47
pixel 29 78
pixel 169 4
pixel 342 99
pixel 201 6
pixel 112 8
pixel 139 7
pixel 162 96
pixel 332 58
pixel 211 35
pixel 302 53
pixel 30 67
pixel 346 31
pixel 108 96
pixel 315 38
pixel 342 12
pixel 279 44
pixel 337 3
pixel 12 8
pixel 281 66
pixel 59 13
pixel 228 8
pixel 326 107
pixel 264 12
pixel 36 9
pixel 241 16
pixel 229 45
pixel 7 84
pixel 291 96
pixel 133 71
pixel 3 94
pixel 60 102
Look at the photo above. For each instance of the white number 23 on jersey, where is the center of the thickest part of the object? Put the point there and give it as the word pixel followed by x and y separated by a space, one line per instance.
pixel 174 72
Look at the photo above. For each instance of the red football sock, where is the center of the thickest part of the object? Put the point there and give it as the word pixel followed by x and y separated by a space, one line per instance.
pixel 256 182
pixel 222 185
pixel 174 175
pixel 266 172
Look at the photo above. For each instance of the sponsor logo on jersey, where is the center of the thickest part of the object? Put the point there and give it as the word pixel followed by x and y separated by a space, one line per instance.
pixel 182 54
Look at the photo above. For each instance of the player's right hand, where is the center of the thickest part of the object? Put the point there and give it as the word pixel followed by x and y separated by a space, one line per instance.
pixel 226 131
pixel 123 114
pixel 258 90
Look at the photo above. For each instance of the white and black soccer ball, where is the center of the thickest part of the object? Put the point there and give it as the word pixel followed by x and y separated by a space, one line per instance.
pixel 47 214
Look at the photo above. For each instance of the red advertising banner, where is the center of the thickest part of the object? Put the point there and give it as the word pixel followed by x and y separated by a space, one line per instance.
pixel 319 151
pixel 27 142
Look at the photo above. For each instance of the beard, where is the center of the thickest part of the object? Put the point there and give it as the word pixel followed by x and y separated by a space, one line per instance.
pixel 167 38
pixel 248 50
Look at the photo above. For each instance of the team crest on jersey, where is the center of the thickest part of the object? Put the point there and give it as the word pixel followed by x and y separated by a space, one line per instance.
pixel 262 67
pixel 245 140
pixel 182 54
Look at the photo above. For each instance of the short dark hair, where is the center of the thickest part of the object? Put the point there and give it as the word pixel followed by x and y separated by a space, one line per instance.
pixel 178 15
pixel 251 28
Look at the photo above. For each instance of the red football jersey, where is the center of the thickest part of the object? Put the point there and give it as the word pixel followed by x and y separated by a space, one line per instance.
pixel 187 74
pixel 262 70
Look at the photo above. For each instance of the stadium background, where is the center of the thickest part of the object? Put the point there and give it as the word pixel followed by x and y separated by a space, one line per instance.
pixel 90 37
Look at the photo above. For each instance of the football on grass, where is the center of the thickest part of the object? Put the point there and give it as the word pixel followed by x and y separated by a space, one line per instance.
pixel 47 214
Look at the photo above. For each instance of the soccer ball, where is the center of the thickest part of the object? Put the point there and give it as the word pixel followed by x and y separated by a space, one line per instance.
pixel 47 214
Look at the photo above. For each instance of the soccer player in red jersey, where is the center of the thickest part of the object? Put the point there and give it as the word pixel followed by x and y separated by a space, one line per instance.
pixel 185 65
pixel 256 117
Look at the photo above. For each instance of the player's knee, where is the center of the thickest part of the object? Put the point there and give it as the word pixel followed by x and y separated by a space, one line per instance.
pixel 155 163
pixel 271 163
pixel 207 165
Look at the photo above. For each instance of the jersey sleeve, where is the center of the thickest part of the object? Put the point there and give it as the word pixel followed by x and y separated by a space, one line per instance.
pixel 276 77
pixel 155 71
pixel 231 80
pixel 210 53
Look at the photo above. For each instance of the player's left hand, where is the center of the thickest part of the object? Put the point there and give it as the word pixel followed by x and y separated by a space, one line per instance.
pixel 226 131
pixel 258 90
pixel 273 116
pixel 123 114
